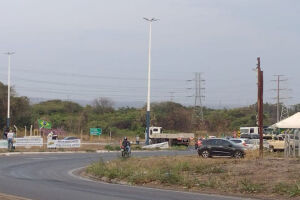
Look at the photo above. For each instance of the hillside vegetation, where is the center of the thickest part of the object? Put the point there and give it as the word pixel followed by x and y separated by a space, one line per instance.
pixel 74 118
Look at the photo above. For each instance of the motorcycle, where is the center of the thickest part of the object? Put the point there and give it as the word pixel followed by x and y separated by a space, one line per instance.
pixel 125 152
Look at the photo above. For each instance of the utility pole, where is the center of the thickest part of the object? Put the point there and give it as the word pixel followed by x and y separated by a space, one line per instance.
pixel 260 91
pixel 199 90
pixel 8 89
pixel 149 78
pixel 278 90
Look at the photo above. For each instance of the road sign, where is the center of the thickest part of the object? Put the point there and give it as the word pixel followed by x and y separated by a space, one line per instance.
pixel 95 131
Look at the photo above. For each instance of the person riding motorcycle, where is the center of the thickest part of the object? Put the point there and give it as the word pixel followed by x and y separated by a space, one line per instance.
pixel 126 144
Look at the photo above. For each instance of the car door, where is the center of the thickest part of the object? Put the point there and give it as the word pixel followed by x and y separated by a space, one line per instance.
pixel 224 148
pixel 211 146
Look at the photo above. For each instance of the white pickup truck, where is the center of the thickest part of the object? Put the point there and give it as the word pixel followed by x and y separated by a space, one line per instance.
pixel 156 135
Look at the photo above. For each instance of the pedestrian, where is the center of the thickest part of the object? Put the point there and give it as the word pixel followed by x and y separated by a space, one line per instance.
pixel 5 133
pixel 10 139
pixel 137 140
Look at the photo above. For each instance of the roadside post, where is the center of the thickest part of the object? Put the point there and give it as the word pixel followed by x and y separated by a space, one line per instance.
pixel 260 106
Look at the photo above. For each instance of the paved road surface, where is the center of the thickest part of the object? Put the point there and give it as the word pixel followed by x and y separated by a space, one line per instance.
pixel 47 176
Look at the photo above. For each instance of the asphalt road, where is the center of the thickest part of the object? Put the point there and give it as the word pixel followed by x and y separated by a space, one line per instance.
pixel 48 176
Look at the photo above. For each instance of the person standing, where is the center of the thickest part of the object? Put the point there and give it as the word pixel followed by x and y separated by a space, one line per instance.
pixel 137 140
pixel 10 139
pixel 5 133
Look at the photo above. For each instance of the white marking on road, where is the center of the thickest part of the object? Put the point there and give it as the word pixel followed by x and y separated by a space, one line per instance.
pixel 35 158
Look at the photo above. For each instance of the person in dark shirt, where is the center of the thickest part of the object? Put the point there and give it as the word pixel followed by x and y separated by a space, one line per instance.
pixel 126 144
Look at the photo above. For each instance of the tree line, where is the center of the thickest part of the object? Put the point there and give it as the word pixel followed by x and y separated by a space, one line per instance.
pixel 74 118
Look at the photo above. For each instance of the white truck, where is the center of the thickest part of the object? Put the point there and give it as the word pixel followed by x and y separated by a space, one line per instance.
pixel 249 132
pixel 156 135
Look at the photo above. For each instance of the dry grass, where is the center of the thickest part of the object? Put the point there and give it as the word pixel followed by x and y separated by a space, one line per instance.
pixel 271 177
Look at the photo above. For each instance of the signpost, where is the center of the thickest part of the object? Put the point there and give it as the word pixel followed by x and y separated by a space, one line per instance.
pixel 96 132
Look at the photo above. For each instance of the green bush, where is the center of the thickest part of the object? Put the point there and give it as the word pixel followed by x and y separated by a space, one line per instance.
pixel 108 147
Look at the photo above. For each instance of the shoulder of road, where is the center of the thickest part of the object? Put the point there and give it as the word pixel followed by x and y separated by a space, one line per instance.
pixel 11 197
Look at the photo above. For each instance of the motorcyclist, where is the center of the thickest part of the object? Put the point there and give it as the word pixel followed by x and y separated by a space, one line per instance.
pixel 126 144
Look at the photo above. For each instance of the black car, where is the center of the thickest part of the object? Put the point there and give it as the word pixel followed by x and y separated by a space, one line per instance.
pixel 220 147
pixel 70 138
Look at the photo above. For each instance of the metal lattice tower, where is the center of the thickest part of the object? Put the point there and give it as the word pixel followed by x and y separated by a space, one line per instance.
pixel 199 96
pixel 284 112
pixel 279 97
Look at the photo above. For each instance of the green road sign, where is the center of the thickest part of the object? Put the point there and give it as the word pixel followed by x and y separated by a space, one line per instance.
pixel 95 131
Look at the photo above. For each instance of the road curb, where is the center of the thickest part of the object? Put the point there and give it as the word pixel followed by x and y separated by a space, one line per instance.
pixel 11 197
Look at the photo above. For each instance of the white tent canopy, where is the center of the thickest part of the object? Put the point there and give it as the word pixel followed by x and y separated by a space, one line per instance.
pixel 290 122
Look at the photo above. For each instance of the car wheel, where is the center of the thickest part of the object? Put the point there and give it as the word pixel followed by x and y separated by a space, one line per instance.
pixel 205 154
pixel 238 154
pixel 272 149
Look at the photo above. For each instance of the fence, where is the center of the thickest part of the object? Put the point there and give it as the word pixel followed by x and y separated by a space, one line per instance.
pixel 292 143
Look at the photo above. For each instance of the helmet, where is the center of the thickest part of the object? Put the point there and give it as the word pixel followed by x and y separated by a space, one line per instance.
pixel 125 138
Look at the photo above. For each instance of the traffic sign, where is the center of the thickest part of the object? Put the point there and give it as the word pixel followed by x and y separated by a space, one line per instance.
pixel 95 131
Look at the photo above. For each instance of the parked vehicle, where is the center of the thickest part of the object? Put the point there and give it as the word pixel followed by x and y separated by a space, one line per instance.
pixel 276 142
pixel 250 135
pixel 156 135
pixel 220 147
pixel 255 144
pixel 70 138
pixel 244 143
pixel 249 130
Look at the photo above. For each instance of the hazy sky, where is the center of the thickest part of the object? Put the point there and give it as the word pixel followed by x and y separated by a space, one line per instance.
pixel 83 49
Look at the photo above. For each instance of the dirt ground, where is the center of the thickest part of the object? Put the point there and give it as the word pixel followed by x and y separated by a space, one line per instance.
pixel 11 197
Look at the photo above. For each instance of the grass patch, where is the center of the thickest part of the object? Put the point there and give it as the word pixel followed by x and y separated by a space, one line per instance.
pixel 292 190
pixel 109 147
pixel 90 150
pixel 245 176
pixel 178 147
pixel 249 187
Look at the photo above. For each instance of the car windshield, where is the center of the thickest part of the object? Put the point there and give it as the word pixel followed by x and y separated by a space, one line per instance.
pixel 236 141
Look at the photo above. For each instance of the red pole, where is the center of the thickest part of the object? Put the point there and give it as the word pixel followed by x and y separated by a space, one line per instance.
pixel 260 106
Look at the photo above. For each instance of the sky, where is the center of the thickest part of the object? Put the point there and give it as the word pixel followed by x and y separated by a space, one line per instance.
pixel 85 49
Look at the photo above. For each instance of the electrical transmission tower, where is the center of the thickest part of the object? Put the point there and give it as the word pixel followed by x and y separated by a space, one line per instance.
pixel 279 98
pixel 171 96
pixel 284 112
pixel 199 96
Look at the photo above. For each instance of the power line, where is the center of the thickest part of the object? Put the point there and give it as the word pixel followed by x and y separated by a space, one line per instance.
pixel 96 76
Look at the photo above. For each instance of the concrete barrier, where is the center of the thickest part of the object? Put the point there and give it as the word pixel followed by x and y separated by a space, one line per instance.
pixel 163 145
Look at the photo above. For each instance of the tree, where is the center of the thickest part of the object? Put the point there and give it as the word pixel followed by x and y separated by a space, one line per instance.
pixel 103 105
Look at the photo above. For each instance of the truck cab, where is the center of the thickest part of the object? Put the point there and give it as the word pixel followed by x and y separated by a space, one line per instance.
pixel 155 130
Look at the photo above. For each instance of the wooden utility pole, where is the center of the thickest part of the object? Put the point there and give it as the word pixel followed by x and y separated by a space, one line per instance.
pixel 260 106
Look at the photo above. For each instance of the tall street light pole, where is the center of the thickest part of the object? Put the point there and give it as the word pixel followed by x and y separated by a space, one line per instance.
pixel 149 77
pixel 8 89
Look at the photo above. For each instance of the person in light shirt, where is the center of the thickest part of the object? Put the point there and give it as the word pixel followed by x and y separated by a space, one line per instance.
pixel 10 138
